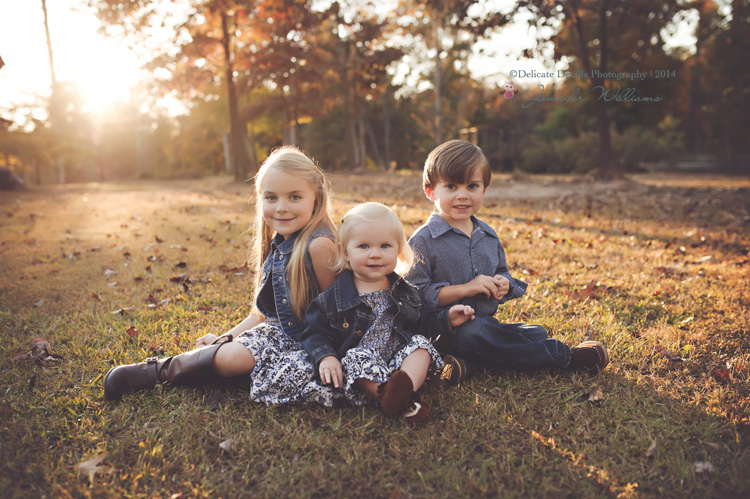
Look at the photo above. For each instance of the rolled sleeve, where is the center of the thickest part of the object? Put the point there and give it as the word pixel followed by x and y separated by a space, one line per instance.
pixel 315 337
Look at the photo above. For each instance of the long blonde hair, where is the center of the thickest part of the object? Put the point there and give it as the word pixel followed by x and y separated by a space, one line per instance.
pixel 368 213
pixel 292 161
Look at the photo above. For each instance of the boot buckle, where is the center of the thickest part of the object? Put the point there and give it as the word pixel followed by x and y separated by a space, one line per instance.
pixel 152 360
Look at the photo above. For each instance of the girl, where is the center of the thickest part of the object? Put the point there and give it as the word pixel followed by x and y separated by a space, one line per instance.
pixel 361 332
pixel 292 254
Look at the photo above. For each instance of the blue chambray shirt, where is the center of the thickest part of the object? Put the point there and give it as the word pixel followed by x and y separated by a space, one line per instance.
pixel 445 256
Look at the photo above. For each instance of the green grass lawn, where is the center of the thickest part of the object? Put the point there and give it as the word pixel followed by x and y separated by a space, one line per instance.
pixel 655 267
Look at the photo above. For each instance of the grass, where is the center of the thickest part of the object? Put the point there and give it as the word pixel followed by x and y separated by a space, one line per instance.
pixel 657 269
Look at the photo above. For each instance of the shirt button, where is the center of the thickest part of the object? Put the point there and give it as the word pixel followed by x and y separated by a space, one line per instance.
pixel 281 278
pixel 290 323
pixel 283 300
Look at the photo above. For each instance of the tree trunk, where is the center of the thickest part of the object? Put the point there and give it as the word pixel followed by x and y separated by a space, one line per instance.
pixel 348 128
pixel 374 145
pixel 387 130
pixel 437 81
pixel 604 162
pixel 49 45
pixel 239 158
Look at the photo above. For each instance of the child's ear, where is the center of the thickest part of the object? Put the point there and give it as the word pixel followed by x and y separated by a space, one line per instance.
pixel 429 192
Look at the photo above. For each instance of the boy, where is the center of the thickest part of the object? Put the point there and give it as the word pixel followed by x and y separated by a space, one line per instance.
pixel 461 260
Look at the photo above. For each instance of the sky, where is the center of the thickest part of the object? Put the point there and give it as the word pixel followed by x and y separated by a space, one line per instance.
pixel 105 69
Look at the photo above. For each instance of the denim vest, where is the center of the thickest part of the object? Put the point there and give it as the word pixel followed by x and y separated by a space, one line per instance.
pixel 338 318
pixel 274 298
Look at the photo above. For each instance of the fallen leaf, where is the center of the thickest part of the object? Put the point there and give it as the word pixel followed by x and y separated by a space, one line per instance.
pixel 704 467
pixel 226 445
pixel 95 297
pixel 38 352
pixel 596 395
pixel 91 467
pixel 181 265
pixel 39 303
pixel 591 290
pixel 721 374
pixel 653 448
pixel 663 351
pixel 132 331
pixel 123 311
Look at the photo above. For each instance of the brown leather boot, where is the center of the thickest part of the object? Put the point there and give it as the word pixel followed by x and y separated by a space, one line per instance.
pixel 394 394
pixel 190 368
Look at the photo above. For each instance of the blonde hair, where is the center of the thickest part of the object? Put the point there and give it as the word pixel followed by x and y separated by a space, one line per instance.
pixel 369 213
pixel 455 161
pixel 292 161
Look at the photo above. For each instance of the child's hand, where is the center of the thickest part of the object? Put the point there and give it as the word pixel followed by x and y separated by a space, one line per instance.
pixel 206 340
pixel 458 314
pixel 486 285
pixel 330 371
pixel 503 286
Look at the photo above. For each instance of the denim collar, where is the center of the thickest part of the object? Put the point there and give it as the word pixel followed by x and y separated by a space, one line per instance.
pixel 285 246
pixel 345 291
pixel 438 226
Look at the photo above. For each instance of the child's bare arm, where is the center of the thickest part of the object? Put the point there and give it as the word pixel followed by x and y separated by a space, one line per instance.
pixel 247 323
pixel 323 255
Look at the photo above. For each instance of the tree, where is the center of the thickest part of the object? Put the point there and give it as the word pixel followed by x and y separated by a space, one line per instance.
pixel 448 29
pixel 206 51
pixel 583 30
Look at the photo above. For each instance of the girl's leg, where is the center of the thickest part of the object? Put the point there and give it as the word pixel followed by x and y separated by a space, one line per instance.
pixel 416 365
pixel 233 359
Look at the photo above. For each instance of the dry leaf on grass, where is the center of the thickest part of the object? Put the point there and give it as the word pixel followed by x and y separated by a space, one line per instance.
pixel 38 352
pixel 91 467
pixel 653 448
pixel 596 395
pixel 663 351
pixel 226 445
pixel 704 467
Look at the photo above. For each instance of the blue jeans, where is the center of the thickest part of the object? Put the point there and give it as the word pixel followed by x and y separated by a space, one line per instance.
pixel 485 343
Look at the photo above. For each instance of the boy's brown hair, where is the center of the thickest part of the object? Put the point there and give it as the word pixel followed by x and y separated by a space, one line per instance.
pixel 455 161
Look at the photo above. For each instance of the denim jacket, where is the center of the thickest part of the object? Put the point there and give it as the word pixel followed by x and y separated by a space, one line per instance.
pixel 337 318
pixel 274 297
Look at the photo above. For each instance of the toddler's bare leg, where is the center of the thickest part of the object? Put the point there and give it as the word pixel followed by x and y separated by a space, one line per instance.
pixel 416 365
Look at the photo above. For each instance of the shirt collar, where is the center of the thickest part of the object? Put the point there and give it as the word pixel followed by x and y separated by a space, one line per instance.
pixel 346 293
pixel 438 226
pixel 285 246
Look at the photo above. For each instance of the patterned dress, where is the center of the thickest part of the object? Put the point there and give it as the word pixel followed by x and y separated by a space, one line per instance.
pixel 283 372
pixel 381 349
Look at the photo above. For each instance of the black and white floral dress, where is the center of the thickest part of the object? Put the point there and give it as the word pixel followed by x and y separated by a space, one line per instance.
pixel 381 349
pixel 283 371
